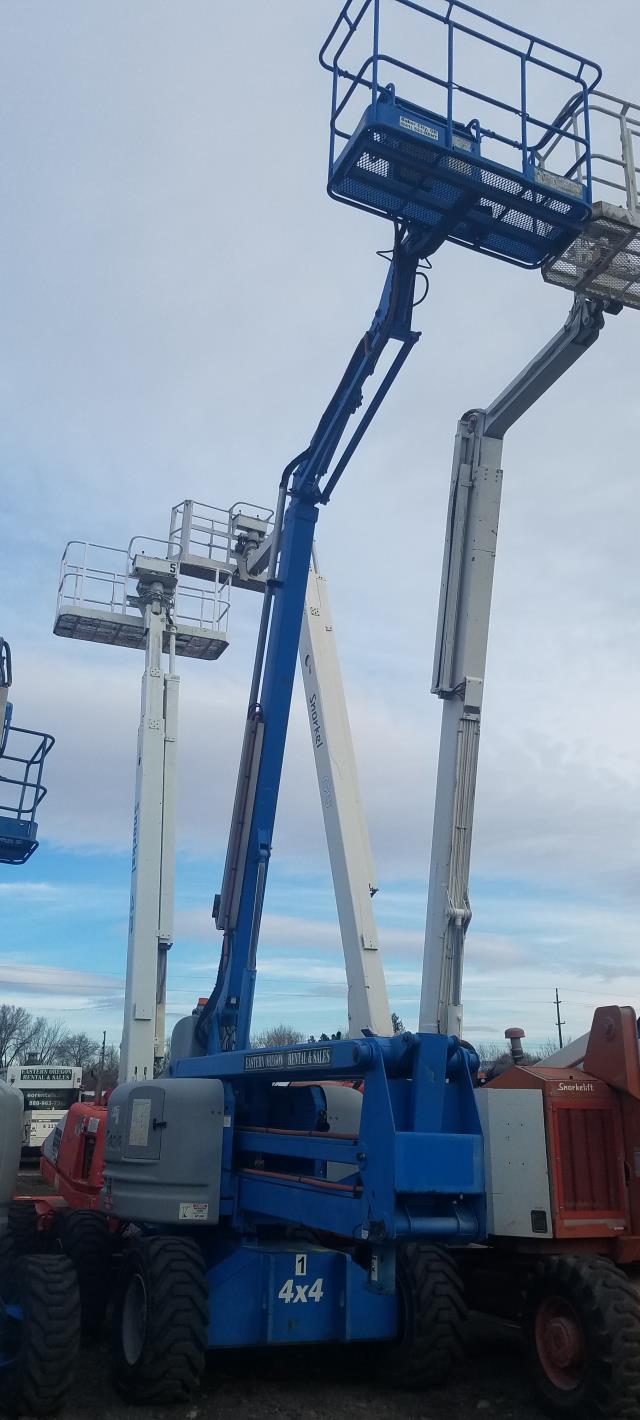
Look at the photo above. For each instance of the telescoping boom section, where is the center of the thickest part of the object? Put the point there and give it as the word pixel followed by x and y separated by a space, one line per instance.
pixel 282 1157
pixel 461 649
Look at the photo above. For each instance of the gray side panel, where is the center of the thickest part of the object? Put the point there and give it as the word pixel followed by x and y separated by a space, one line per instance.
pixel 163 1152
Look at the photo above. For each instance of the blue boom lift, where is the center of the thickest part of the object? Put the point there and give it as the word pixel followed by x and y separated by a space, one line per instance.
pixel 22 756
pixel 275 1209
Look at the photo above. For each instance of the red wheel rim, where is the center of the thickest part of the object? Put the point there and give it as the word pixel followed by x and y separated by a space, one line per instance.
pixel 560 1342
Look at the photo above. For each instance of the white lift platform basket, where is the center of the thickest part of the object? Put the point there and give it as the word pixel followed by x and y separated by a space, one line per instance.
pixel 603 262
pixel 98 599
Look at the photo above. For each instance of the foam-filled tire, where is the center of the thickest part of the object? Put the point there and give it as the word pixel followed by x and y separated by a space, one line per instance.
pixel 39 1332
pixel 432 1316
pixel 160 1321
pixel 84 1237
pixel 582 1326
pixel 23 1225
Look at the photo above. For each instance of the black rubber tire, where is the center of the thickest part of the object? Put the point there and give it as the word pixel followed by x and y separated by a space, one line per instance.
pixel 84 1237
pixel 8 1259
pixel 607 1307
pixel 23 1225
pixel 165 1363
pixel 44 1345
pixel 433 1316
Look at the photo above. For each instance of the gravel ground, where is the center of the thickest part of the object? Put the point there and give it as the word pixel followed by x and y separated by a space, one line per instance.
pixel 325 1385
pixel 318 1384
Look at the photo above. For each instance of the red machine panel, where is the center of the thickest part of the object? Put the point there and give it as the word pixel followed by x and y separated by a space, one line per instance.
pixel 586 1156
pixel 75 1166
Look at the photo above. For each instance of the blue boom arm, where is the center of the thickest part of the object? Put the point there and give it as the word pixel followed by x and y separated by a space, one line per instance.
pixel 306 482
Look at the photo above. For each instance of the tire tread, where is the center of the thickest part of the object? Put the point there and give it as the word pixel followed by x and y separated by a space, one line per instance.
pixel 609 1305
pixel 435 1325
pixel 39 1382
pixel 174 1355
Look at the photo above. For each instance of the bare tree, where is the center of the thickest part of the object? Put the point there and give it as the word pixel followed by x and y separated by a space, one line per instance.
pixel 98 1076
pixel 278 1035
pixel 111 1067
pixel 22 1034
pixel 488 1050
pixel 550 1045
pixel 50 1043
pixel 78 1049
pixel 46 1041
pixel 16 1026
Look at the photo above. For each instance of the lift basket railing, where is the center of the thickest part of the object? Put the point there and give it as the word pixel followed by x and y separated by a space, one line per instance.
pixel 435 150
pixel 21 790
pixel 603 261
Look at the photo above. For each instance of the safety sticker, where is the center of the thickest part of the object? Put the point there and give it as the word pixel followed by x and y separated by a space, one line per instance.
pixel 193 1212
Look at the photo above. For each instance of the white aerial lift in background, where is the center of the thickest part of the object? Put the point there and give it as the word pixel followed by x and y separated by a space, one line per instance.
pixel 460 656
pixel 133 598
pixel 157 603
pixel 602 268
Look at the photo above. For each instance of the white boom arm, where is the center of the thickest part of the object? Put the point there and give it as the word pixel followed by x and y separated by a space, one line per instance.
pixel 344 819
pixel 153 855
pixel 460 656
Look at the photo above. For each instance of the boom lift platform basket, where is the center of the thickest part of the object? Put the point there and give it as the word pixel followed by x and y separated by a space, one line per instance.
pixel 603 261
pixel 98 593
pixel 465 164
pixel 21 791
pixel 98 598
pixel 22 756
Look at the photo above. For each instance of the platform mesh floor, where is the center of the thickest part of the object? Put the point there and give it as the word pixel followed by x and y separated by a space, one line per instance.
pixel 603 261
pixel 113 630
pixel 500 212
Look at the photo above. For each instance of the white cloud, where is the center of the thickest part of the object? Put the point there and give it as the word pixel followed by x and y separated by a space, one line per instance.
pixel 31 977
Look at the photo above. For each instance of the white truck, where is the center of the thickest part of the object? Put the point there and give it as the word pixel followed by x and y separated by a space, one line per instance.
pixel 47 1092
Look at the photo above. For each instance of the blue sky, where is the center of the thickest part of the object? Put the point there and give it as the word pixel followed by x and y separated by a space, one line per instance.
pixel 179 298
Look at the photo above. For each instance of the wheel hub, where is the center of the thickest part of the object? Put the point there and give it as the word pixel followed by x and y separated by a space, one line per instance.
pixel 560 1342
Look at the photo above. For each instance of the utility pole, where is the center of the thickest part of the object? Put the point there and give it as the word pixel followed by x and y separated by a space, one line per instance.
pixel 560 1023
pixel 100 1079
